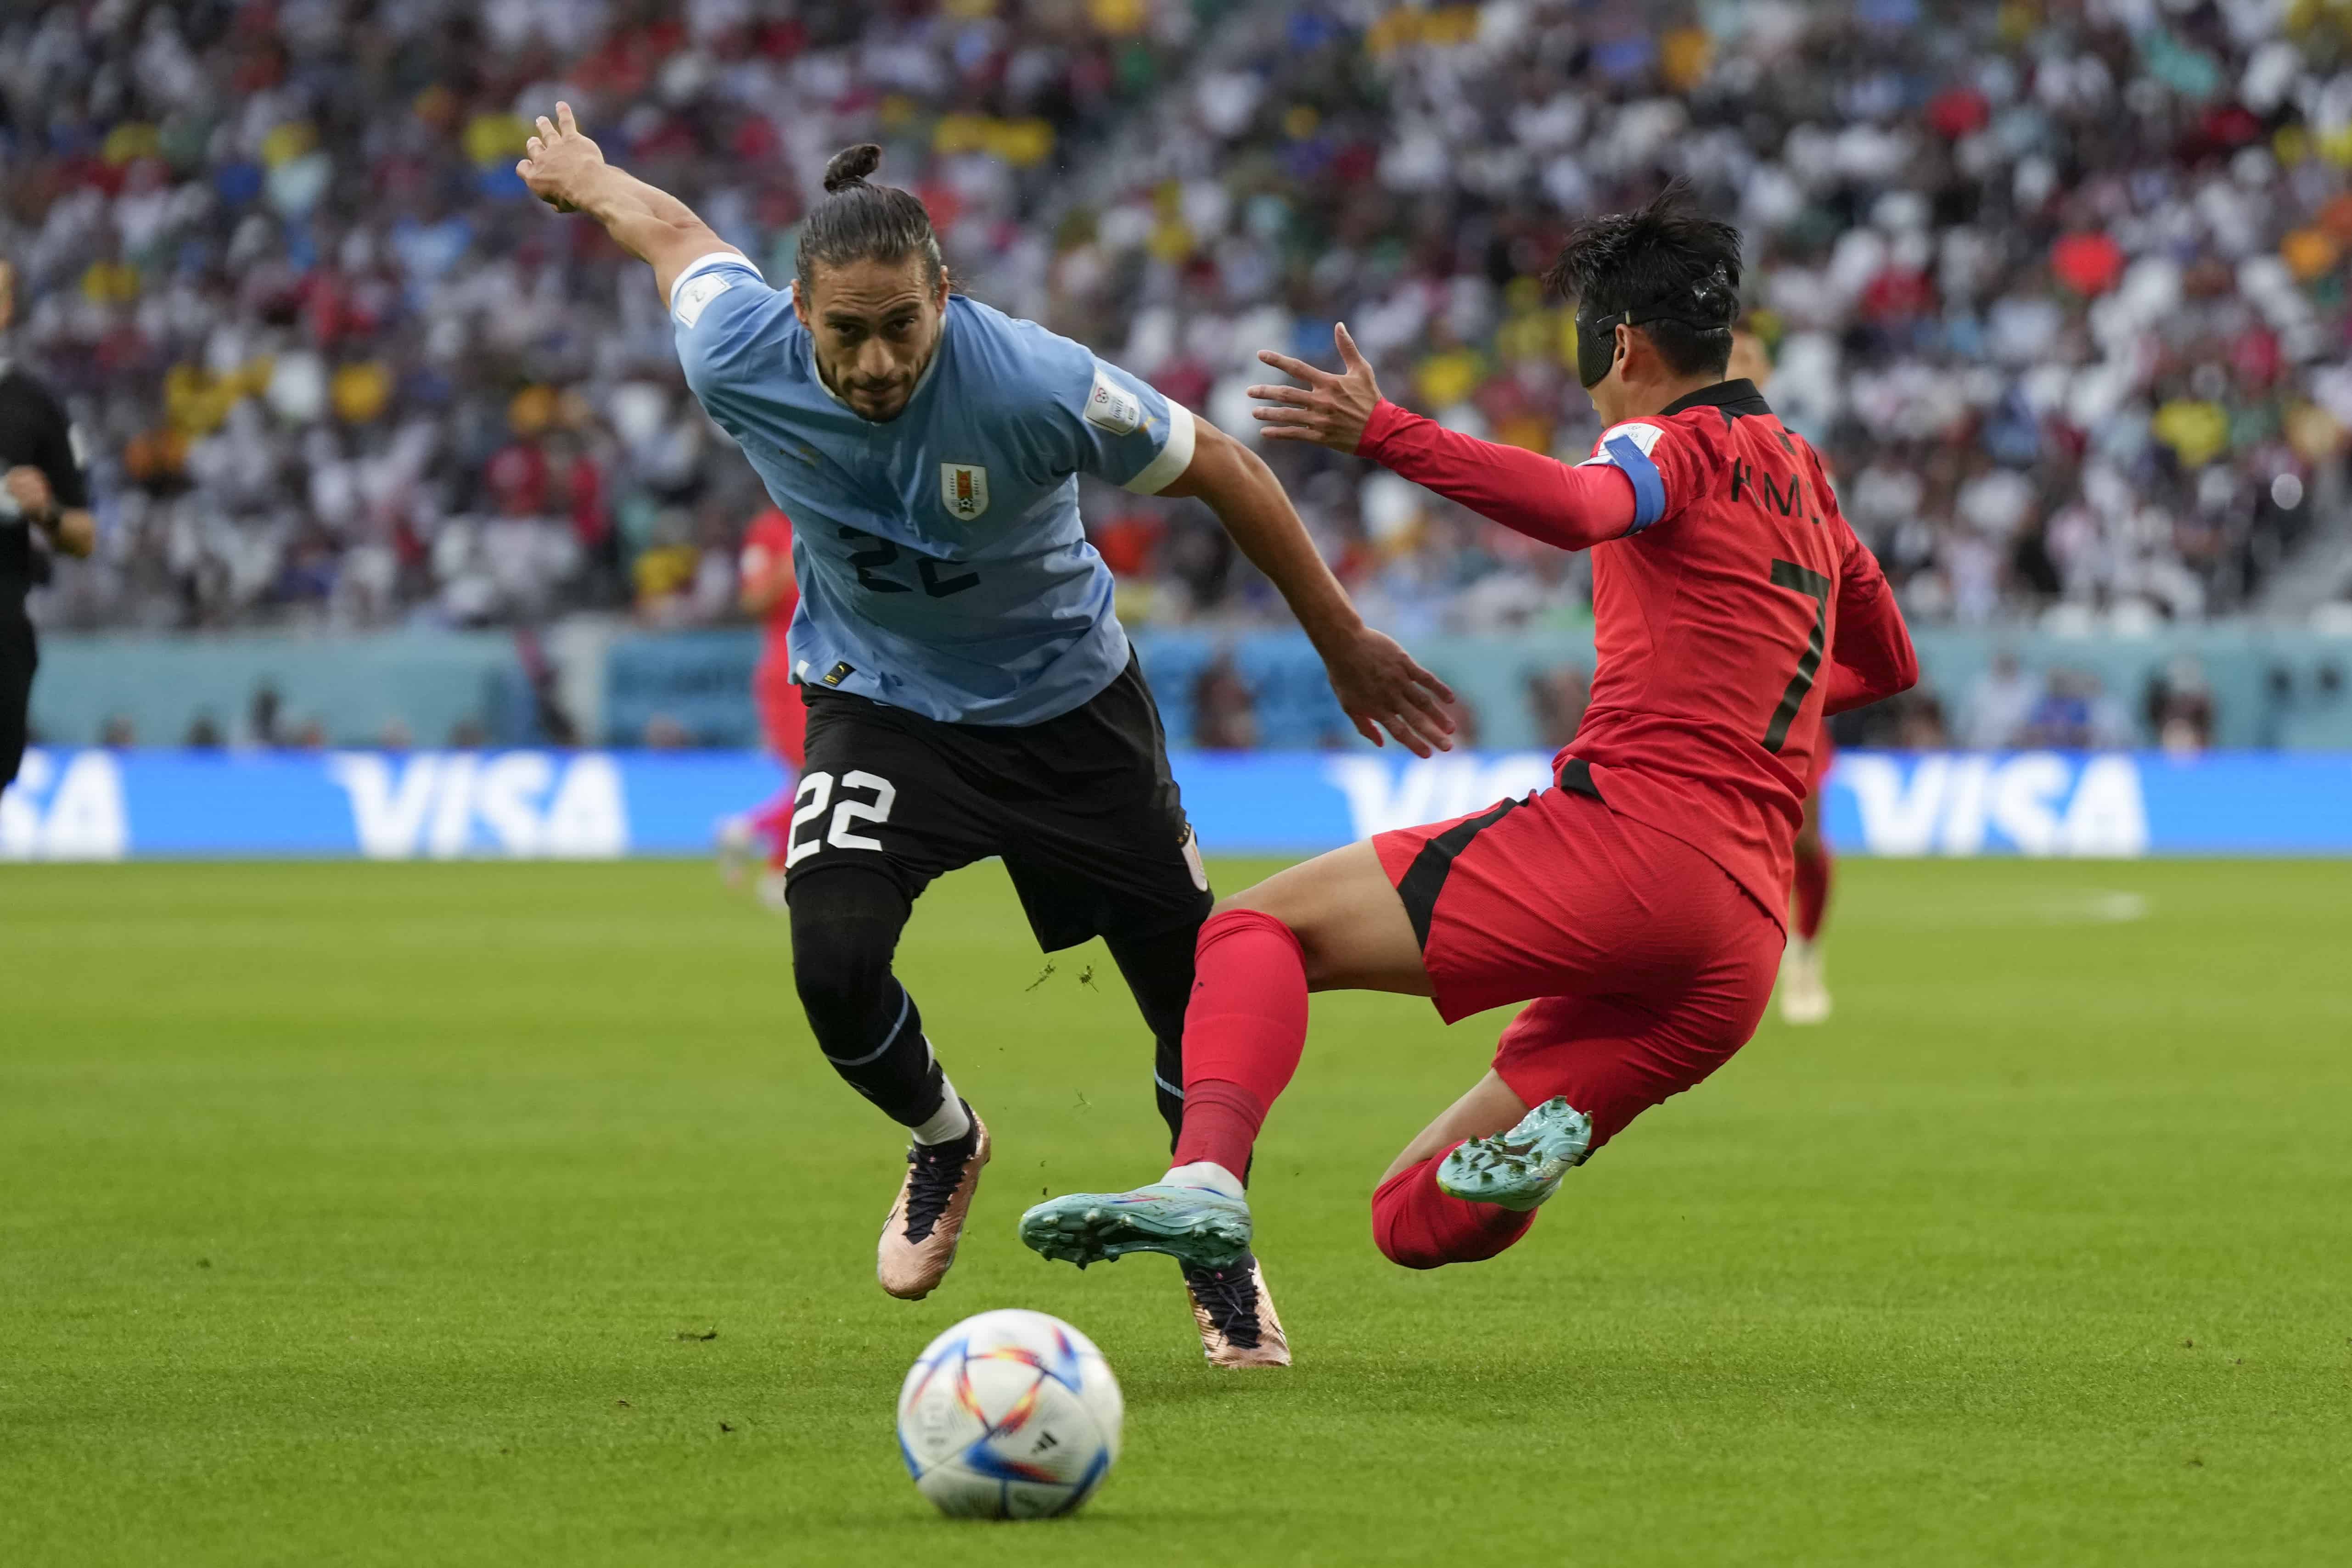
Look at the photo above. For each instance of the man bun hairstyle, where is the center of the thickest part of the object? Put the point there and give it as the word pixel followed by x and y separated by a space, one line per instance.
pixel 851 165
pixel 1665 267
pixel 857 221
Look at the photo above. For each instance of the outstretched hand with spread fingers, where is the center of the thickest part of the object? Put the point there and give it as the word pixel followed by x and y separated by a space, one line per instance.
pixel 1329 410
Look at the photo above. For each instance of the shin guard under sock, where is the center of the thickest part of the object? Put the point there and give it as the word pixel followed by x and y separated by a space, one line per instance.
pixel 845 926
pixel 1243 1034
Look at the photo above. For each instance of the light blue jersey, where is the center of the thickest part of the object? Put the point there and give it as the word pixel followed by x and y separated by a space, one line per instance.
pixel 942 566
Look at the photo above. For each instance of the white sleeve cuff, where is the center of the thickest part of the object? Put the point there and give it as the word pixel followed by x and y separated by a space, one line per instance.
pixel 716 259
pixel 1174 457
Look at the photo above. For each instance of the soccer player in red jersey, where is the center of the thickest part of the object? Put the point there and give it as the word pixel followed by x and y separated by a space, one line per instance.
pixel 1803 988
pixel 1638 907
pixel 767 589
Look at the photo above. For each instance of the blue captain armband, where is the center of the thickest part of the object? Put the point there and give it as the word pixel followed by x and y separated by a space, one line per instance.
pixel 1626 448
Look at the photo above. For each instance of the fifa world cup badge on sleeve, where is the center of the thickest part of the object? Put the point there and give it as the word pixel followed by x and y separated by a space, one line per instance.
pixel 697 292
pixel 1112 407
pixel 963 488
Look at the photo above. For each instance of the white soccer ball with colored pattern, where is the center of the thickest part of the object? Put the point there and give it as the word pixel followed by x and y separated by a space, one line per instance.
pixel 1010 1415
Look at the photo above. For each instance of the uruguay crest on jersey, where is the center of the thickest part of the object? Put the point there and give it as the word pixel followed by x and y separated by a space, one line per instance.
pixel 963 488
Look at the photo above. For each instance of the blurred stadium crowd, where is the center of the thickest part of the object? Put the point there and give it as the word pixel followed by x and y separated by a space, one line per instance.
pixel 2059 287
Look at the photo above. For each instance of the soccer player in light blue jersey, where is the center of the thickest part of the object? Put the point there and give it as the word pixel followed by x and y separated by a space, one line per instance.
pixel 970 691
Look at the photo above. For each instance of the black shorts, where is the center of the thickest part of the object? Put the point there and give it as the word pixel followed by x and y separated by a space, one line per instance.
pixel 18 658
pixel 1082 808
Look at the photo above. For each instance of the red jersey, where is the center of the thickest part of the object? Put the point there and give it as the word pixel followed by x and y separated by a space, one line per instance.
pixel 767 541
pixel 1724 579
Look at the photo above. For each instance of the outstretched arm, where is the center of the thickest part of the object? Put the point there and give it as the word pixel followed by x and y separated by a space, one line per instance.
pixel 568 172
pixel 1377 682
pixel 1571 507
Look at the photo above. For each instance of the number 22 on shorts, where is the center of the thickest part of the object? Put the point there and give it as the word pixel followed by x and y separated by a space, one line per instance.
pixel 814 798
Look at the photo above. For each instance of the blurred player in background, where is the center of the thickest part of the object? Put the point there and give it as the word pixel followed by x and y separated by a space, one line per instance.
pixel 971 692
pixel 43 507
pixel 1638 907
pixel 1802 990
pixel 768 589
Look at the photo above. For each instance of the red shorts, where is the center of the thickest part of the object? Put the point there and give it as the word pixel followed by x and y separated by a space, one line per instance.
pixel 783 714
pixel 1645 965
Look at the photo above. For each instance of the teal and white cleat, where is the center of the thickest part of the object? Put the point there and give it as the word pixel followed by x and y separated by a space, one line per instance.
pixel 1198 1227
pixel 1523 1167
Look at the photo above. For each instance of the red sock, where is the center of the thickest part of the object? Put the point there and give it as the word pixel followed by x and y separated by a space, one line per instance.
pixel 1244 1032
pixel 1812 890
pixel 1417 1225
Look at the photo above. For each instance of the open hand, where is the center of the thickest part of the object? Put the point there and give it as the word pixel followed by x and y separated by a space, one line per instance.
pixel 1378 684
pixel 560 162
pixel 1330 410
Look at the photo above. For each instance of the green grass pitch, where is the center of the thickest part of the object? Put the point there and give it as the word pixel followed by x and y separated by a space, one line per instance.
pixel 385 1214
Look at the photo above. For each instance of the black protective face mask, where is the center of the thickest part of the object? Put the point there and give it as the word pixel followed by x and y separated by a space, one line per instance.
pixel 1596 345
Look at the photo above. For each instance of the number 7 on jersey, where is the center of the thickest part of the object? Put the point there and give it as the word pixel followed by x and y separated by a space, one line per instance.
pixel 1814 586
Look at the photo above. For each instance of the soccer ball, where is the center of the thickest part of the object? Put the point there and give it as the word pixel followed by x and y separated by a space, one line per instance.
pixel 1010 1415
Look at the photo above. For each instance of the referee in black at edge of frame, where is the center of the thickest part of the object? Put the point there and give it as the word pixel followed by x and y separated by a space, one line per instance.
pixel 42 491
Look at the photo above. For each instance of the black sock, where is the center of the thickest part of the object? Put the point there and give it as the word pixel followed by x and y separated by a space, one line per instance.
pixel 896 1070
pixel 845 926
pixel 1158 970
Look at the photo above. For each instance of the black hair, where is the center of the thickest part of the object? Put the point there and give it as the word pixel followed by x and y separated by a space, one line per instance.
pixel 859 222
pixel 1666 267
